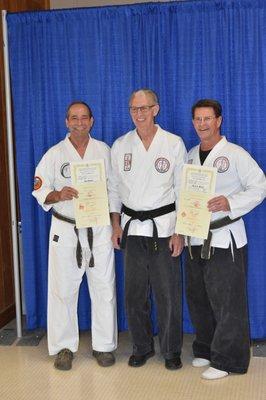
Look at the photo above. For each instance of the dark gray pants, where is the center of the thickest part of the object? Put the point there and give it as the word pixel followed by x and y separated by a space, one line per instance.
pixel 217 300
pixel 160 271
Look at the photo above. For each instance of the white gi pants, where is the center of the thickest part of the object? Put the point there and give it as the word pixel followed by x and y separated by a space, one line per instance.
pixel 64 279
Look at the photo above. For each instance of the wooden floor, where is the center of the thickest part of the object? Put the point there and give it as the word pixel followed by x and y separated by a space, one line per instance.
pixel 27 373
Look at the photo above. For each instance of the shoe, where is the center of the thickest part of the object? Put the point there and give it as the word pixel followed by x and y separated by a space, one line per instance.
pixel 173 363
pixel 138 361
pixel 213 373
pixel 63 360
pixel 104 358
pixel 200 362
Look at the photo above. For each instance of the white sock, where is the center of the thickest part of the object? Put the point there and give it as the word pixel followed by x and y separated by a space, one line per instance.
pixel 200 362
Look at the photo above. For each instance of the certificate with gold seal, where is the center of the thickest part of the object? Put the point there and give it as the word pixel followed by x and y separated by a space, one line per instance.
pixel 91 206
pixel 197 188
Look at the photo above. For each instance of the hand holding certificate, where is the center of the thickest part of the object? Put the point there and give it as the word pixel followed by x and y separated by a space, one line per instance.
pixel 197 188
pixel 91 206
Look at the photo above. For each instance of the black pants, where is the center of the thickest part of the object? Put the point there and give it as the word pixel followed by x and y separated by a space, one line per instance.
pixel 217 300
pixel 160 271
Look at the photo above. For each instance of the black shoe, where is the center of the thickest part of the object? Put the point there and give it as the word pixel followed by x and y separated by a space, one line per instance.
pixel 138 361
pixel 173 363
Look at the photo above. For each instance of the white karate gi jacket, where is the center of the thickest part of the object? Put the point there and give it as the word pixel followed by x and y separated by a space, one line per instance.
pixel 240 180
pixel 53 173
pixel 146 180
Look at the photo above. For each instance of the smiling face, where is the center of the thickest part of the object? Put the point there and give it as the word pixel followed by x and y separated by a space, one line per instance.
pixel 79 121
pixel 207 126
pixel 143 110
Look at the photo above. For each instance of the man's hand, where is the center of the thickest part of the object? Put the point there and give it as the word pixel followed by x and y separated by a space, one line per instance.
pixel 67 193
pixel 117 230
pixel 176 244
pixel 117 236
pixel 219 203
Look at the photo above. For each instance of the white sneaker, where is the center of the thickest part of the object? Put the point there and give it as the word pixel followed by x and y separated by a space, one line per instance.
pixel 213 373
pixel 200 362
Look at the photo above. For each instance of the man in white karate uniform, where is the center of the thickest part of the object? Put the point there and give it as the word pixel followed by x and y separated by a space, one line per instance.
pixel 147 164
pixel 216 268
pixel 72 251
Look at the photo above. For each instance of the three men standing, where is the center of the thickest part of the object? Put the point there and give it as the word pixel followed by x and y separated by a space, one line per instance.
pixel 143 182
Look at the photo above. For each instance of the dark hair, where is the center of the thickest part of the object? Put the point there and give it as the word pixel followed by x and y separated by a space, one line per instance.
pixel 78 102
pixel 214 104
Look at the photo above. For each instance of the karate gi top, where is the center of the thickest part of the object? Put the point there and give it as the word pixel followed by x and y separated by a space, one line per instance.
pixel 53 173
pixel 147 179
pixel 240 180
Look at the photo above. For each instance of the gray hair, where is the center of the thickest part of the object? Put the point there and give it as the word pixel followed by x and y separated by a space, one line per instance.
pixel 147 92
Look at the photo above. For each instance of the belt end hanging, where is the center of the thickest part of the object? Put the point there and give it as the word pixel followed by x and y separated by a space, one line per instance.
pixel 206 247
pixel 91 263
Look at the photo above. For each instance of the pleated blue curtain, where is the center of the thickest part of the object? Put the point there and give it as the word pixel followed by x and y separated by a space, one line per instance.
pixel 184 51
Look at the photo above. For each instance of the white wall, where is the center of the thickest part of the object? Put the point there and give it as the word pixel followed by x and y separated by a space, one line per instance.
pixel 98 3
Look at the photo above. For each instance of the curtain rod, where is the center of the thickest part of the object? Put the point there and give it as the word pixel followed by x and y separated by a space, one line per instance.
pixel 11 171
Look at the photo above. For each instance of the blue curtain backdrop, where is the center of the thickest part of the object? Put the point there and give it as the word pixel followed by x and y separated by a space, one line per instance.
pixel 184 51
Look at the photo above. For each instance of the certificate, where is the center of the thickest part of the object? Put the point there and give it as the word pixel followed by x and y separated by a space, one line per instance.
pixel 91 206
pixel 197 188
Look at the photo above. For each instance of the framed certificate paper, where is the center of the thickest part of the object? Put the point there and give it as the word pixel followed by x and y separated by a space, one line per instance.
pixel 91 206
pixel 197 187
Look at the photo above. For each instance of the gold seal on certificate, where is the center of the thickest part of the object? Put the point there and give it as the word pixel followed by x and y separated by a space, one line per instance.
pixel 91 206
pixel 197 187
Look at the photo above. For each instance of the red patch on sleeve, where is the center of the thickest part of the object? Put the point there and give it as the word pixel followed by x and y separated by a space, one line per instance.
pixel 37 183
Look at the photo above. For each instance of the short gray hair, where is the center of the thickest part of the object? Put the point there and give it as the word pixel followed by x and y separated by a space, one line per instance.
pixel 147 92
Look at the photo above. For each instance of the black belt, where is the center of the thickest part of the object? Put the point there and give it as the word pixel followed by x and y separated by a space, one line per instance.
pixel 79 248
pixel 144 216
pixel 206 247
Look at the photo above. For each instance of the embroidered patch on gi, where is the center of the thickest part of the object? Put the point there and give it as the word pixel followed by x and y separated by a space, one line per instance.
pixel 65 170
pixel 37 183
pixel 127 161
pixel 190 161
pixel 55 238
pixel 162 165
pixel 222 164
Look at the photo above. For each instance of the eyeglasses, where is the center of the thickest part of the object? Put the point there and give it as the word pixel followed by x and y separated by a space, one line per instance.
pixel 76 119
pixel 143 109
pixel 204 119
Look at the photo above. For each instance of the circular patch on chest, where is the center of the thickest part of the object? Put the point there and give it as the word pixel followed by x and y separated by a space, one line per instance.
pixel 162 165
pixel 222 164
pixel 65 170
